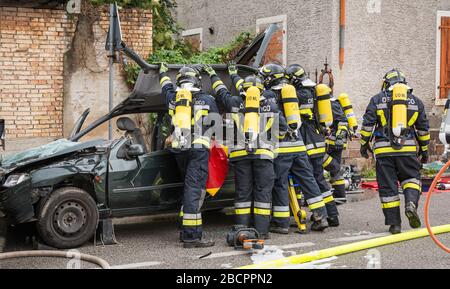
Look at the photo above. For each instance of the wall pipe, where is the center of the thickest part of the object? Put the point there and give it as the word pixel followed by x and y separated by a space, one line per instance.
pixel 342 34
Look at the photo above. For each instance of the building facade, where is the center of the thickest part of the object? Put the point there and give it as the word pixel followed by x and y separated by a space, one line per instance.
pixel 53 66
pixel 413 36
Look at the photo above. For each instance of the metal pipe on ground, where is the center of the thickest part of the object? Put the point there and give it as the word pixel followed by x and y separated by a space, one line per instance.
pixel 348 248
pixel 56 254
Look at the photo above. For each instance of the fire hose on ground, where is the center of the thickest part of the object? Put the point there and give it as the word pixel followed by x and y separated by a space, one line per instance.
pixel 349 248
pixel 55 254
pixel 427 206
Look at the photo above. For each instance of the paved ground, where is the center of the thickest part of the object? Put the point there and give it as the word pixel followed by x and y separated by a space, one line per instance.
pixel 152 243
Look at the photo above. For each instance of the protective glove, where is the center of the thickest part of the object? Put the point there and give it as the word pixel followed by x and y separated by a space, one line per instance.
pixel 424 157
pixel 365 151
pixel 341 139
pixel 232 69
pixel 163 68
pixel 292 134
pixel 209 70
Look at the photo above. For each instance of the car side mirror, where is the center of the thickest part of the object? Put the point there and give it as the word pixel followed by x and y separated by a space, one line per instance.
pixel 135 150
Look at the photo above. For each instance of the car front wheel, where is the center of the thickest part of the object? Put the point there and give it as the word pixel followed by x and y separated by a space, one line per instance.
pixel 67 218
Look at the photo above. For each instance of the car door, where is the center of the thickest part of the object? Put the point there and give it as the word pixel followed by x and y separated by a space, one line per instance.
pixel 148 184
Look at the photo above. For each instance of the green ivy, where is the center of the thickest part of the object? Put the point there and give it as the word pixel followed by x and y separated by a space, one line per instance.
pixel 183 53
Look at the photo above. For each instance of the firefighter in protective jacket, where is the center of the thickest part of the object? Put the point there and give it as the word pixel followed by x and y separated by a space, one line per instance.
pixel 336 143
pixel 395 120
pixel 189 108
pixel 252 148
pixel 313 130
pixel 291 155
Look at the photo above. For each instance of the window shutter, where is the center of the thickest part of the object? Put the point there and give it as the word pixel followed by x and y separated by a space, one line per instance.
pixel 445 57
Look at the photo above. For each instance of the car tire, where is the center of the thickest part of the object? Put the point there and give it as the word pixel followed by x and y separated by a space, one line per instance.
pixel 67 218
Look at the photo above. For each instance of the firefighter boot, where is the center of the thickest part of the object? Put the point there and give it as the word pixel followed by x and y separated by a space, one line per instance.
pixel 395 229
pixel 318 224
pixel 198 244
pixel 333 221
pixel 413 217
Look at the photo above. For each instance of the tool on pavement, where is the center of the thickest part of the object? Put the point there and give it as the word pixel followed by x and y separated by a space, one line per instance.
pixel 243 238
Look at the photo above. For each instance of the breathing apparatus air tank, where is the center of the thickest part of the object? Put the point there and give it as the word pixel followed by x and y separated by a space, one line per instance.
pixel 323 93
pixel 399 110
pixel 182 119
pixel 251 118
pixel 291 108
pixel 347 107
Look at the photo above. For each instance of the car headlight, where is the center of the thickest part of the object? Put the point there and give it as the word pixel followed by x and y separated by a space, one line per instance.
pixel 14 180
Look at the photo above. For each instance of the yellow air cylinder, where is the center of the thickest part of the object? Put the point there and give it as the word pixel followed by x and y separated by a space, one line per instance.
pixel 251 118
pixel 183 110
pixel 290 105
pixel 399 109
pixel 324 105
pixel 347 107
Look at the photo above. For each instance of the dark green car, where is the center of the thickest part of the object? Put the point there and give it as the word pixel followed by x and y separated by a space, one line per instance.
pixel 66 187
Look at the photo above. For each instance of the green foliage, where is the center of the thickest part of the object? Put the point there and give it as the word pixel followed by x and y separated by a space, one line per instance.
pixel 183 53
pixel 369 173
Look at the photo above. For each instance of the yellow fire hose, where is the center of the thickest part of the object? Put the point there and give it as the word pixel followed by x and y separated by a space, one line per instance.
pixel 348 248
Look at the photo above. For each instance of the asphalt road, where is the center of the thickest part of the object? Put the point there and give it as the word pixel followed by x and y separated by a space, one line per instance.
pixel 153 243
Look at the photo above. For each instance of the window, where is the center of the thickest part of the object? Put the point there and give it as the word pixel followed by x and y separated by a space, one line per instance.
pixel 194 37
pixel 277 49
pixel 443 56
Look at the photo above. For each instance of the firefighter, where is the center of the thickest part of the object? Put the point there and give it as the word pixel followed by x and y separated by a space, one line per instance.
pixel 336 144
pixel 396 119
pixel 291 156
pixel 254 173
pixel 313 131
pixel 189 108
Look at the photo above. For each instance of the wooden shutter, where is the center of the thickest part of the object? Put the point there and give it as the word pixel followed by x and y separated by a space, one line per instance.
pixel 445 57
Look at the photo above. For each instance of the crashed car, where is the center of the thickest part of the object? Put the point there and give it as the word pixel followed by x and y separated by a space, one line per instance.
pixel 68 186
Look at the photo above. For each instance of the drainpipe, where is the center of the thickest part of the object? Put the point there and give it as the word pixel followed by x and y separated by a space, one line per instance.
pixel 342 35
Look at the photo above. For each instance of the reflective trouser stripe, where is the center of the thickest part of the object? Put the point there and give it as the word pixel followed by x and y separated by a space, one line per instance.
pixel 327 197
pixel 264 212
pixel 281 211
pixel 192 219
pixel 425 138
pixel 245 211
pixel 390 205
pixel 317 205
pixel 412 186
pixel 192 223
pixel 281 214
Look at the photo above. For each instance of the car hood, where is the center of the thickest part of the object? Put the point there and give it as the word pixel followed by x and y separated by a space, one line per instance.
pixel 48 151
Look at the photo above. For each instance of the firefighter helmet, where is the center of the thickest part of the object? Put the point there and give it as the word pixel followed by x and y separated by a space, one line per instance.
pixel 253 80
pixel 296 74
pixel 273 75
pixel 188 75
pixel 393 77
